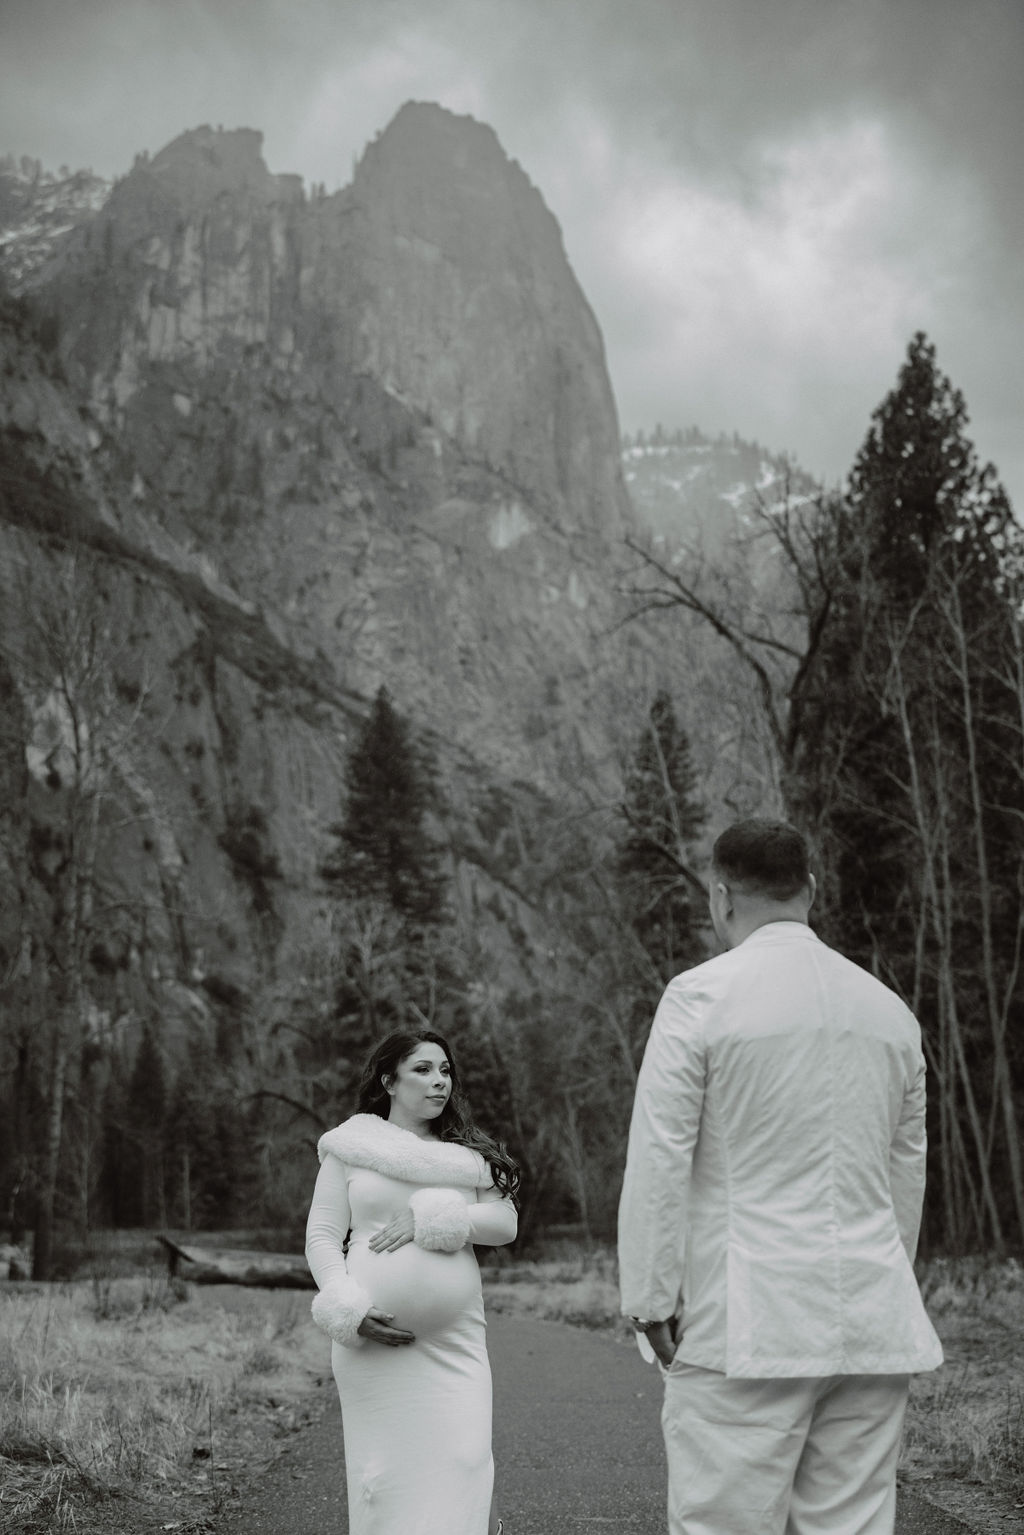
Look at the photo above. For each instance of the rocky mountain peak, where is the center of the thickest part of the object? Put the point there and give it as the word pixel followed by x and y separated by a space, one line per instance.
pixel 444 181
pixel 204 162
pixel 439 273
pixel 381 419
pixel 428 152
pixel 474 315
pixel 203 169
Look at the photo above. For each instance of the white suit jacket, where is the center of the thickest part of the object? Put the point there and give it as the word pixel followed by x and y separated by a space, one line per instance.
pixel 775 1171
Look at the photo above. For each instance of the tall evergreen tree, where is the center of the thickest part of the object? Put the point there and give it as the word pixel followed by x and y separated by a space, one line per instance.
pixel 386 868
pixel 908 770
pixel 384 849
pixel 916 540
pixel 663 818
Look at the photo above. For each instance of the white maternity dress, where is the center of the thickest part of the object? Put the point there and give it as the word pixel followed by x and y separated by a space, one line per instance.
pixel 416 1417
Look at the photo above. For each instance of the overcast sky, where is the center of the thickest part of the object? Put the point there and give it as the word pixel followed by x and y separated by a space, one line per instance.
pixel 763 199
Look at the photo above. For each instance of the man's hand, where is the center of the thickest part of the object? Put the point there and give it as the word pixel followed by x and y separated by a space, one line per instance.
pixel 378 1327
pixel 664 1339
pixel 394 1235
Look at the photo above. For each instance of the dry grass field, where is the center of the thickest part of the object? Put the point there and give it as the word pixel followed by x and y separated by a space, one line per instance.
pixel 964 1444
pixel 138 1404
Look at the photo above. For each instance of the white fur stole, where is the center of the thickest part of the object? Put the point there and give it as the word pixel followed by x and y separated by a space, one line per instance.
pixel 368 1141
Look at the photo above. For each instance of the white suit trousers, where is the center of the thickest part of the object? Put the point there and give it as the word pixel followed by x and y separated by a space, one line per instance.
pixel 782 1457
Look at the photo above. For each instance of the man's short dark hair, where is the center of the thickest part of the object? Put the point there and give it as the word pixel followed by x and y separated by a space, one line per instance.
pixel 762 857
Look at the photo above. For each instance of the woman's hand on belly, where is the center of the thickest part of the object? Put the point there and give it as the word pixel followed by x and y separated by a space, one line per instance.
pixel 378 1327
pixel 394 1235
pixel 426 1291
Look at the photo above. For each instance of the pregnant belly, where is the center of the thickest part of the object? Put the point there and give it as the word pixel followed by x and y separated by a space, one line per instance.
pixel 427 1291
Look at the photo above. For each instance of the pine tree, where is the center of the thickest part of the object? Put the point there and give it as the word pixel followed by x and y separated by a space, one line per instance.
pixel 664 817
pixel 386 871
pixel 916 477
pixel 908 769
pixel 918 531
pixel 384 850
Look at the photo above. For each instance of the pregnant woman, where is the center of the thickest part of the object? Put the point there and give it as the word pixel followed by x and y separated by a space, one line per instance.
pixel 406 1186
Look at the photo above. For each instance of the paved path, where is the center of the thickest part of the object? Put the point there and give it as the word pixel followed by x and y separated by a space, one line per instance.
pixel 577 1445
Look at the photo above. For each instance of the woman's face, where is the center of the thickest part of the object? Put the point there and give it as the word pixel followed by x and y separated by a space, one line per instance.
pixel 421 1086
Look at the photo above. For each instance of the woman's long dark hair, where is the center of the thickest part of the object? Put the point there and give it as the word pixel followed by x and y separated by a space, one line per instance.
pixel 454 1123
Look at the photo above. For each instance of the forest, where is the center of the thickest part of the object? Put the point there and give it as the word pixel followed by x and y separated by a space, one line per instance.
pixel 868 678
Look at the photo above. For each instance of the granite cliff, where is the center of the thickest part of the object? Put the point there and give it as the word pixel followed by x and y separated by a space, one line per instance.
pixel 306 445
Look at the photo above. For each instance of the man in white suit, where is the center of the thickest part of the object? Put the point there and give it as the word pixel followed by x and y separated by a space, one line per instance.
pixel 770 1212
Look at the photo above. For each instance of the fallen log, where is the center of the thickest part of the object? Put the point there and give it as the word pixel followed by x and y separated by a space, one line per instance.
pixel 235 1265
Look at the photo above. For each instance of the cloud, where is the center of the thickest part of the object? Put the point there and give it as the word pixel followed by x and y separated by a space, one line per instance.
pixel 751 307
pixel 763 199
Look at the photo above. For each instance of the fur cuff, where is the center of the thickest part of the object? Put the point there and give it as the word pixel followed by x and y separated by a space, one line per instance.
pixel 339 1308
pixel 440 1220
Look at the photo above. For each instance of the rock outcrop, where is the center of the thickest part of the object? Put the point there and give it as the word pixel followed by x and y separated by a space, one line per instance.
pixel 317 444
pixel 498 343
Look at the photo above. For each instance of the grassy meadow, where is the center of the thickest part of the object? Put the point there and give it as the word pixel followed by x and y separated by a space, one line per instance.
pixel 137 1403
pixel 140 1403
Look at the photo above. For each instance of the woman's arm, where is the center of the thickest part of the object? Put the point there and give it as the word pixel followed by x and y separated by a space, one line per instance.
pixel 343 1309
pixel 493 1219
pixel 327 1225
pixel 342 1304
pixel 441 1220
